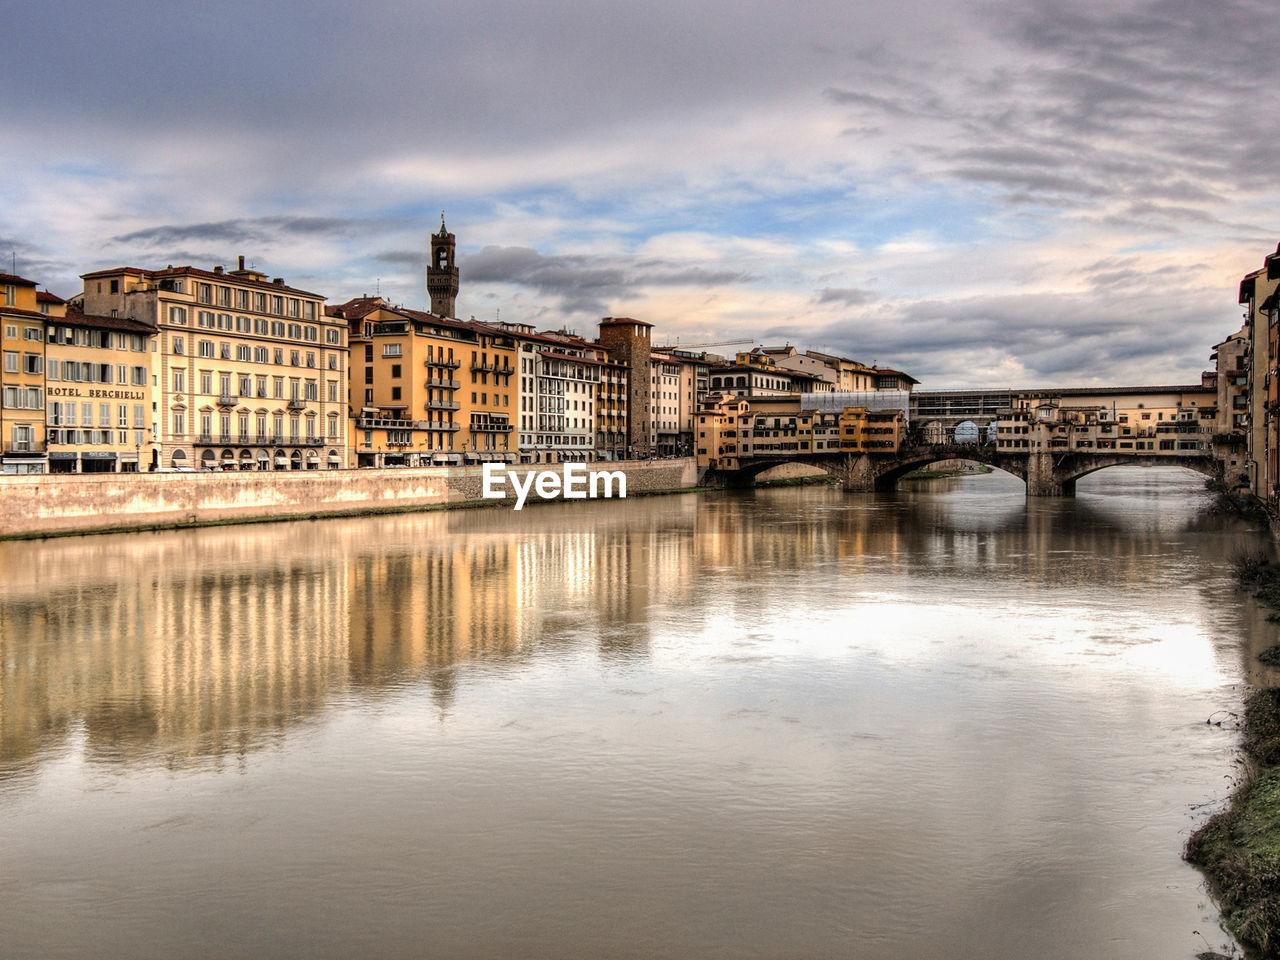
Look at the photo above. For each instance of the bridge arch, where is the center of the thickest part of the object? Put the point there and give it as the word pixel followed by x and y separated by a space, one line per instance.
pixel 888 475
pixel 1205 466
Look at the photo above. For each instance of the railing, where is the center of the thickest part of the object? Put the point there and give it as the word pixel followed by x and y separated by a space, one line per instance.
pixel 228 399
pixel 451 363
pixel 443 405
pixel 491 428
pixel 297 403
pixel 442 382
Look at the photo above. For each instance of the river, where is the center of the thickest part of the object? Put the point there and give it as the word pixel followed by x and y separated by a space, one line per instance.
pixel 946 722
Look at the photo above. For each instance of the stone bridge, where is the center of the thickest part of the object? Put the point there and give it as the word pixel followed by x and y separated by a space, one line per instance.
pixel 1046 473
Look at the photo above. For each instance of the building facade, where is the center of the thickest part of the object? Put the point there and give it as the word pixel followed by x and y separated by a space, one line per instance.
pixel 249 374
pixel 22 395
pixel 101 402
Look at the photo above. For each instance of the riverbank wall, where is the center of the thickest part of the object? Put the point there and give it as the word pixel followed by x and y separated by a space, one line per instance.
pixel 46 505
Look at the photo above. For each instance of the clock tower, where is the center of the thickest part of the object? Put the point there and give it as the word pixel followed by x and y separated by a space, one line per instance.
pixel 442 273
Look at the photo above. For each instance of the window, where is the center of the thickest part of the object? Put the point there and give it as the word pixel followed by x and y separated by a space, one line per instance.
pixel 333 361
pixel 10 362
pixel 204 292
pixel 10 332
pixel 22 436
pixel 177 346
pixel 368 353
pixel 179 424
pixel 225 352
pixel 242 300
pixel 11 294
pixel 179 381
pixel 206 348
pixel 260 302
pixel 206 382
pixel 178 315
pixel 294 307
pixel 309 310
pixel 395 370
pixel 293 358
pixel 32 363
pixel 391 350
pixel 311 359
pixel 277 306
pixel 333 336
pixel 224 296
pixel 395 393
pixel 34 333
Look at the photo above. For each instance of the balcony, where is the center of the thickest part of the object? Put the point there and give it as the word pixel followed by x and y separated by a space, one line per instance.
pixel 491 428
pixel 386 423
pixel 478 366
pixel 297 403
pixel 442 382
pixel 443 405
pixel 448 426
pixel 228 399
pixel 450 364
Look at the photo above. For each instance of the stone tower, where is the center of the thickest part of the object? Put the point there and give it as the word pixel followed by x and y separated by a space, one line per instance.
pixel 628 340
pixel 442 273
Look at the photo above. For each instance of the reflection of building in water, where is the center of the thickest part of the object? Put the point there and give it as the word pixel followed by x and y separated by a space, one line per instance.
pixel 191 644
pixel 430 601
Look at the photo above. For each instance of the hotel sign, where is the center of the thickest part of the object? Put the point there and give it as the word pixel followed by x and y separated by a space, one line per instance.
pixel 96 394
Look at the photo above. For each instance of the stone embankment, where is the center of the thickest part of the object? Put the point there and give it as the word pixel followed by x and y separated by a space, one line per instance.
pixel 57 504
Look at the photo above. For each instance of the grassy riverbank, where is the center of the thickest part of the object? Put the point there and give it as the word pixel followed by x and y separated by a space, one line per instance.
pixel 952 472
pixel 1239 849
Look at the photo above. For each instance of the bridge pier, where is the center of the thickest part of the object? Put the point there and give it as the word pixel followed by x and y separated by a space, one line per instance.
pixel 1043 479
pixel 857 474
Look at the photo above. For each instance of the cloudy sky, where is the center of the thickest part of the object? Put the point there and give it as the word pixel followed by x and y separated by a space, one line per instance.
pixel 1060 192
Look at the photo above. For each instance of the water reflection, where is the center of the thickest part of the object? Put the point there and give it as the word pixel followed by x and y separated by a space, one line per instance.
pixel 751 724
pixel 194 644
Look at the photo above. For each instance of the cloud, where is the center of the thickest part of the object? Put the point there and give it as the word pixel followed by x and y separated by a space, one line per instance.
pixel 849 296
pixel 1064 189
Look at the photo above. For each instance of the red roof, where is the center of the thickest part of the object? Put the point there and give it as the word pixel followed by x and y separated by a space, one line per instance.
pixel 77 318
pixel 223 277
pixel 10 278
pixel 44 296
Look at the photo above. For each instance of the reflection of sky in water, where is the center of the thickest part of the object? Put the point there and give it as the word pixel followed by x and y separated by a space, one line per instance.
pixel 945 722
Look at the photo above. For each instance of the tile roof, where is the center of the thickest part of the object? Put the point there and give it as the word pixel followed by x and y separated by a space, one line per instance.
pixel 11 278
pixel 77 318
pixel 224 277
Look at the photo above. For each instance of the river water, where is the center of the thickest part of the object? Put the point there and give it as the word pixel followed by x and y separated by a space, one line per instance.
pixel 945 722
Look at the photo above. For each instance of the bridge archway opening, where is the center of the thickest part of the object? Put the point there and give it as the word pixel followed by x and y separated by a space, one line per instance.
pixel 977 453
pixel 1118 473
pixel 799 472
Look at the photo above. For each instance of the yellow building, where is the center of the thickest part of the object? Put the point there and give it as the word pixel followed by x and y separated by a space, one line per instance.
pixel 99 393
pixel 22 399
pixel 732 431
pixel 249 373
pixel 426 389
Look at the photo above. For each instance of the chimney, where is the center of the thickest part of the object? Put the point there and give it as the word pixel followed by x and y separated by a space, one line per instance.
pixel 218 270
pixel 242 263
pixel 278 281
